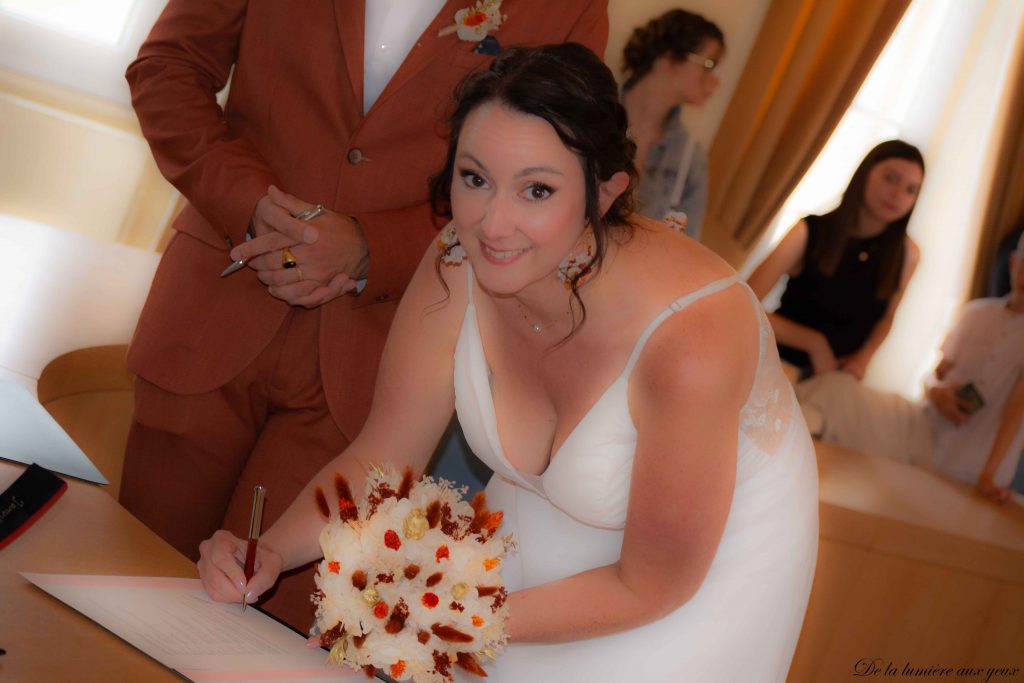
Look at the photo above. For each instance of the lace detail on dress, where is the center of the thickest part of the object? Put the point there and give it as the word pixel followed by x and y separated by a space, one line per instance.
pixel 766 415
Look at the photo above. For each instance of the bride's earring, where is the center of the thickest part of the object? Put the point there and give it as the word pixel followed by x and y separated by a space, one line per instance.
pixel 576 265
pixel 452 253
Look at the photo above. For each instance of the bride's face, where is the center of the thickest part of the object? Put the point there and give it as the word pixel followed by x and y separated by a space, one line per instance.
pixel 518 198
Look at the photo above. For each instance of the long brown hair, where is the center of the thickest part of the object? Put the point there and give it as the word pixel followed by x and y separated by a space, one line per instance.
pixel 841 222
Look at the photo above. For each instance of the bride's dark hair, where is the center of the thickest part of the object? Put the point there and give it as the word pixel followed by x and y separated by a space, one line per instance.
pixel 568 86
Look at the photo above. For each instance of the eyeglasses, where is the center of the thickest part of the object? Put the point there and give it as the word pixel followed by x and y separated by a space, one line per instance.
pixel 709 65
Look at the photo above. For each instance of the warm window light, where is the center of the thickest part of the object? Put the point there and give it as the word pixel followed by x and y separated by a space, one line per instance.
pixel 936 84
pixel 100 20
pixel 879 112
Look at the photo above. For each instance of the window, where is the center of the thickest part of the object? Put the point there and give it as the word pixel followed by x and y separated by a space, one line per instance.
pixel 101 20
pixel 84 45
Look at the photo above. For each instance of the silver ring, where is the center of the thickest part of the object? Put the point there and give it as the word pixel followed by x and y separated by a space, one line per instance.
pixel 310 214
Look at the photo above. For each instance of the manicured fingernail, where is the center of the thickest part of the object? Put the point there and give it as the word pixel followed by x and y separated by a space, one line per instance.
pixel 310 235
pixel 250 598
pixel 235 255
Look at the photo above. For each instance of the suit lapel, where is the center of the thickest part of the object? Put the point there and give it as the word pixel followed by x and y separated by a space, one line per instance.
pixel 351 18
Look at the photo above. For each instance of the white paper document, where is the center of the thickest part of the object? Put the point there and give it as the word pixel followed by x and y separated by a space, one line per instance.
pixel 29 435
pixel 176 623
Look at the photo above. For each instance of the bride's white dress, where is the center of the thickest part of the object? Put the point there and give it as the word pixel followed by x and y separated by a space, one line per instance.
pixel 743 623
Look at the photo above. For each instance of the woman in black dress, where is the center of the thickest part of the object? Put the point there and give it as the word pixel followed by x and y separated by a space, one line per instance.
pixel 847 269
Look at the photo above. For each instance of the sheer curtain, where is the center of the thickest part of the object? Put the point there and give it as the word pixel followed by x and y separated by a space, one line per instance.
pixel 961 151
pixel 940 83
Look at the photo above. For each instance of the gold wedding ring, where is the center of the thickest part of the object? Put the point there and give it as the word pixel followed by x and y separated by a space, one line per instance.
pixel 288 259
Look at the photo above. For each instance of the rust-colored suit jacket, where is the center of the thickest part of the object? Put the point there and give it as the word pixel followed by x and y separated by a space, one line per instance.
pixel 294 118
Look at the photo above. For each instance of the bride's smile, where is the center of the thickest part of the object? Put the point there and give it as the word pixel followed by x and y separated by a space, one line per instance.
pixel 501 257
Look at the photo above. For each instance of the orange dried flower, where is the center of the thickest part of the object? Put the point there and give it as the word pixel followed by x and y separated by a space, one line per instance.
pixel 334 567
pixel 474 18
pixel 466 661
pixel 430 600
pixel 321 503
pixel 494 521
pixel 442 553
pixel 491 562
pixel 392 540
pixel 380 610
pixel 477 621
pixel 398 668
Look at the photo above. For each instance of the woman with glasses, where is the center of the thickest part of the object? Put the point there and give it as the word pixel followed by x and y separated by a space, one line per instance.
pixel 670 62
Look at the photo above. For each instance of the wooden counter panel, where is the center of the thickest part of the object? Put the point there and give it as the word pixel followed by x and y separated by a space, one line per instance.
pixel 912 568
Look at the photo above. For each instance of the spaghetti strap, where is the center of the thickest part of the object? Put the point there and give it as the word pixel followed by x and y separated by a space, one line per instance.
pixel 674 307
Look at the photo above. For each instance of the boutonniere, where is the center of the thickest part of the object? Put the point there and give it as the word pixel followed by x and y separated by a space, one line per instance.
pixel 475 23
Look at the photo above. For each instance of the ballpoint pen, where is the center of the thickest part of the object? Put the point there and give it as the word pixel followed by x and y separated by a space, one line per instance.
pixel 307 215
pixel 255 522
pixel 235 265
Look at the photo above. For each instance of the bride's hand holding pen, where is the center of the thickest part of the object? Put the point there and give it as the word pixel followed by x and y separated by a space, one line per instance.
pixel 222 568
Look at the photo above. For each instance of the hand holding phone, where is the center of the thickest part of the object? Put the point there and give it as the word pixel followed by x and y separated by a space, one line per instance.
pixel 970 395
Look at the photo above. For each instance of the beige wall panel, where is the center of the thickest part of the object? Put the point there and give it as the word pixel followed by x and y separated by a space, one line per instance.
pixel 65 170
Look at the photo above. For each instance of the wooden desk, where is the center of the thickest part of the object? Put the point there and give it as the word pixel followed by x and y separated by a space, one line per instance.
pixel 61 291
pixel 85 532
pixel 911 568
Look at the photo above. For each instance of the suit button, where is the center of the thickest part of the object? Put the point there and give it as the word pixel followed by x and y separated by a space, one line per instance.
pixel 355 155
pixel 382 297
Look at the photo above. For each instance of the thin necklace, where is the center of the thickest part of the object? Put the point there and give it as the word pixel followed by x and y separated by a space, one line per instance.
pixel 536 327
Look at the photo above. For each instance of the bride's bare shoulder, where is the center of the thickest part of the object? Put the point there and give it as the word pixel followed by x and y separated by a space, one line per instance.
pixel 665 259
pixel 717 331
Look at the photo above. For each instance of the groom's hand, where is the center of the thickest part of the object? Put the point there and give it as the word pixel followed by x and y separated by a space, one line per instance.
pixel 949 404
pixel 330 251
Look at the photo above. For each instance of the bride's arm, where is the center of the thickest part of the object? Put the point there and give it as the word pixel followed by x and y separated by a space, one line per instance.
pixel 685 397
pixel 412 404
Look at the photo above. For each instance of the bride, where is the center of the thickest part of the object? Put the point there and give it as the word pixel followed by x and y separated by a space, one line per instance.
pixel 621 381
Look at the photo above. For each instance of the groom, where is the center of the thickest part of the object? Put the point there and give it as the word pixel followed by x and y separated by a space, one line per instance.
pixel 262 376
